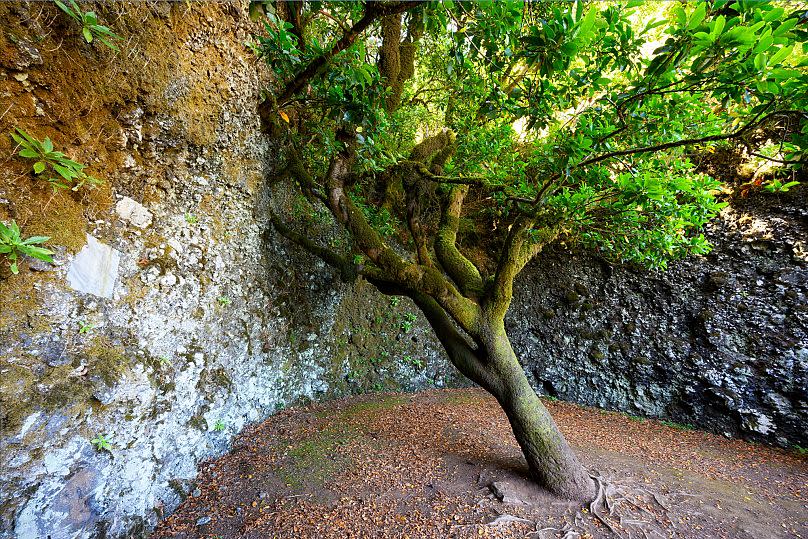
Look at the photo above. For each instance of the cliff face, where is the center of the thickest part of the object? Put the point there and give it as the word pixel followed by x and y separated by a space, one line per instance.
pixel 720 342
pixel 173 315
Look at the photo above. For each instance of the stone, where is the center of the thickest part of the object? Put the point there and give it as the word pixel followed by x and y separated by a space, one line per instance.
pixel 134 212
pixel 505 493
pixel 94 269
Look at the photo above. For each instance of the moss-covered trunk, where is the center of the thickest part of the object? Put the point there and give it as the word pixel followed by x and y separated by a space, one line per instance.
pixel 552 462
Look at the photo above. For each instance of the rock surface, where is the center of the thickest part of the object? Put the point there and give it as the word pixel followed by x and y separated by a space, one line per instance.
pixel 720 342
pixel 181 316
pixel 94 269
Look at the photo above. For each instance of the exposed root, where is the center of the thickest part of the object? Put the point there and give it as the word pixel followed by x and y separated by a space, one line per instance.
pixel 627 510
pixel 603 500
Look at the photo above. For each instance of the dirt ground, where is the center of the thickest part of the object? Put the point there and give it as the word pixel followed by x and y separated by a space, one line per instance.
pixel 445 464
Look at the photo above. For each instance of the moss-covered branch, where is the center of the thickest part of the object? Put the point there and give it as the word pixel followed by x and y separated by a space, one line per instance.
pixel 459 268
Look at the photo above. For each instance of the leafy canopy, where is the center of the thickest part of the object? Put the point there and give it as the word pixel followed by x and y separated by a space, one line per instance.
pixel 571 117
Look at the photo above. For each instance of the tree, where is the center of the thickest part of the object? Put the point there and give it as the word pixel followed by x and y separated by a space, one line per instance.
pixel 450 143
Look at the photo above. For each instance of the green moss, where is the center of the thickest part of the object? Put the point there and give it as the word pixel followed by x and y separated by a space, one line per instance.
pixel 105 360
pixel 383 403
pixel 317 458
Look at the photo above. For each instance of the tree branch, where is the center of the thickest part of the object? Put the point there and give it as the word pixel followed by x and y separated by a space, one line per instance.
pixel 461 270
pixel 687 142
pixel 373 11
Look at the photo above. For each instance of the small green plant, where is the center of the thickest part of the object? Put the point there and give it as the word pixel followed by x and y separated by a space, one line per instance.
pixel 416 363
pixel 191 219
pixel 394 301
pixel 164 361
pixel 358 259
pixel 62 172
pixel 219 426
pixel 224 301
pixel 801 451
pixel 550 398
pixel 407 323
pixel 90 28
pixel 677 426
pixel 776 186
pixel 12 245
pixel 636 418
pixel 85 327
pixel 101 443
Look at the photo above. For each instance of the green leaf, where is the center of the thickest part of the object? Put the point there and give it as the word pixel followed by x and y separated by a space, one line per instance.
pixel 781 55
pixel 88 36
pixel 39 166
pixel 698 16
pixel 774 14
pixel 47 144
pixel 718 26
pixel 764 43
pixel 14 269
pixel 36 239
pixel 588 22
pixel 760 60
pixel 26 152
pixel 785 27
pixel 37 252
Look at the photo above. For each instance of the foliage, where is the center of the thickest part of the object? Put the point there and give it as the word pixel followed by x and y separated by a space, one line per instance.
pixel 224 301
pixel 776 186
pixel 101 443
pixel 219 426
pixel 62 172
pixel 563 108
pixel 85 327
pixel 12 245
pixel 190 218
pixel 88 21
pixel 407 322
pixel 677 426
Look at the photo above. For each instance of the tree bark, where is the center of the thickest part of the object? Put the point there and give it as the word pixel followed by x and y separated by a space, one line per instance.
pixel 551 461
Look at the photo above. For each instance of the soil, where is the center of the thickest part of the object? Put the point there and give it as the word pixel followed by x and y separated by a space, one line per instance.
pixel 445 464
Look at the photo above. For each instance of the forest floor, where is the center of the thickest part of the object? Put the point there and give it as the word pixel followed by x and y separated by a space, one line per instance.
pixel 424 465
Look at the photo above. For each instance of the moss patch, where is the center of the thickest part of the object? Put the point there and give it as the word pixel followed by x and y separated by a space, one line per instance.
pixel 313 461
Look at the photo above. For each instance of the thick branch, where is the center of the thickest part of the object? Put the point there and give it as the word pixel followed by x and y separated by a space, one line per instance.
pixel 423 169
pixel 348 271
pixel 687 142
pixel 460 352
pixel 373 11
pixel 424 279
pixel 519 249
pixel 459 268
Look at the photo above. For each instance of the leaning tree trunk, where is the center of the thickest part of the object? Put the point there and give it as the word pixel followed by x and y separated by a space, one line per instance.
pixel 493 365
pixel 549 457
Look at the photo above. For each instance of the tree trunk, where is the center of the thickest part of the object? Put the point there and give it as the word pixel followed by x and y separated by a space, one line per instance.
pixel 493 365
pixel 551 461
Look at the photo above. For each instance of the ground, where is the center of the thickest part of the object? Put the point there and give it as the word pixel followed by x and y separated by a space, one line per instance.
pixel 445 464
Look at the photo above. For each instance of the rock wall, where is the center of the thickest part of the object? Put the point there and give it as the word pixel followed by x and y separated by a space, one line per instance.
pixel 173 315
pixel 720 341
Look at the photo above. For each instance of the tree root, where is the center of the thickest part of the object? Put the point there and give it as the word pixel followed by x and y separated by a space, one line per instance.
pixel 625 509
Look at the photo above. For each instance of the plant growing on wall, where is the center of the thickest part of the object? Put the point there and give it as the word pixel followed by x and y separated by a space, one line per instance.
pixel 58 169
pixel 90 28
pixel 454 142
pixel 12 245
